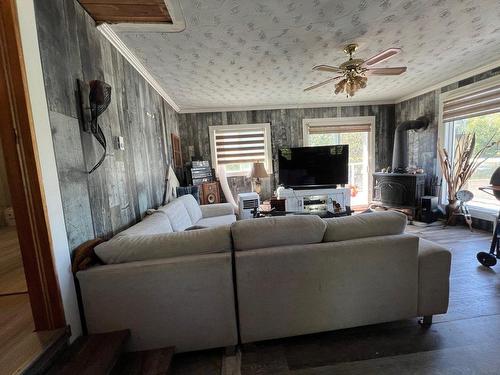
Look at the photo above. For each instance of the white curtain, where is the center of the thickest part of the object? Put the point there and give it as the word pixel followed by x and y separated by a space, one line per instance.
pixel 221 172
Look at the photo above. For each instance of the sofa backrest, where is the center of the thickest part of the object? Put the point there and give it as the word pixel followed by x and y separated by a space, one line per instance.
pixel 192 207
pixel 277 231
pixel 155 223
pixel 364 225
pixel 124 249
pixel 178 215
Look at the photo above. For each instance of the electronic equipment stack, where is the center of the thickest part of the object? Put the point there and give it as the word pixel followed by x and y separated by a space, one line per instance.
pixel 199 172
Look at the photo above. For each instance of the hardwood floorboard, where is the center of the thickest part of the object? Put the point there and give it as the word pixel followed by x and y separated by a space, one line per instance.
pixel 91 355
pixel 468 360
pixel 463 341
pixel 206 362
pixel 12 278
pixel 146 362
pixel 20 346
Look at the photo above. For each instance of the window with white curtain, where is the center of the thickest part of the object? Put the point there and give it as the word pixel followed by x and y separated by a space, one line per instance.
pixel 475 111
pixel 358 133
pixel 236 147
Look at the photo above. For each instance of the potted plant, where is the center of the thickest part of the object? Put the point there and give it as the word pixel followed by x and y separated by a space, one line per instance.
pixel 459 169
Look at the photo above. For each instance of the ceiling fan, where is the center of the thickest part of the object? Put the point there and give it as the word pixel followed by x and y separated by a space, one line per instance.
pixel 354 71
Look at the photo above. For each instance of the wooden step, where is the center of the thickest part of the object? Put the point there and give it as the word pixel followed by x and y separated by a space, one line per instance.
pixel 91 355
pixel 50 354
pixel 148 362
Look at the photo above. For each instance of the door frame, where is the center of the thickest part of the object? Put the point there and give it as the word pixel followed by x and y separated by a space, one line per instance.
pixel 17 135
pixel 354 120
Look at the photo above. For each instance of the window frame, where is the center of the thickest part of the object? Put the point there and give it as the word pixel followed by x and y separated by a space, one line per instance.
pixel 266 127
pixel 343 121
pixel 445 139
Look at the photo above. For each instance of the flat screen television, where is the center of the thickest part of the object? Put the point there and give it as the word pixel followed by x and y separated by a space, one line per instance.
pixel 313 167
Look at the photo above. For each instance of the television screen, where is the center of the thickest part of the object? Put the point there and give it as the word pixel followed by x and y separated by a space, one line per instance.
pixel 313 166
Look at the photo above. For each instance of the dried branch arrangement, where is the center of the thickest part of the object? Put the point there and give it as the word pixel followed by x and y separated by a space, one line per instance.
pixel 458 171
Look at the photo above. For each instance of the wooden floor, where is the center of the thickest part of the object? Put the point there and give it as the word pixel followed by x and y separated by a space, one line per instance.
pixel 12 278
pixel 466 340
pixel 19 344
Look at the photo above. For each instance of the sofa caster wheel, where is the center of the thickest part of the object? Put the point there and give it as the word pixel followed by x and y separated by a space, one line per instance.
pixel 426 321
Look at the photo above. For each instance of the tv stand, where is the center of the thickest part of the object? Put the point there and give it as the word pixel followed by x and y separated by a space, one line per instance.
pixel 311 187
pixel 318 199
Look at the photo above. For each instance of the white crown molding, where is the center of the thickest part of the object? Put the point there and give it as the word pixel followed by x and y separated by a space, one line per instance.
pixel 115 40
pixel 468 74
pixel 178 22
pixel 282 106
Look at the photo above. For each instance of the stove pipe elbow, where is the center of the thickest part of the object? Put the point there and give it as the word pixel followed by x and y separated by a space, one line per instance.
pixel 400 151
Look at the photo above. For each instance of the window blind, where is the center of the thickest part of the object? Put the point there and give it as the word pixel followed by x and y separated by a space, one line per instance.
pixel 240 146
pixel 482 102
pixel 356 128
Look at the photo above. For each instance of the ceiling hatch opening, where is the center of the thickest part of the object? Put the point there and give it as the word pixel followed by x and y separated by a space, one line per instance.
pixel 142 15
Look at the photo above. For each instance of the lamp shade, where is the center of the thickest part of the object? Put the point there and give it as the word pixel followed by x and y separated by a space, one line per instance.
pixel 258 171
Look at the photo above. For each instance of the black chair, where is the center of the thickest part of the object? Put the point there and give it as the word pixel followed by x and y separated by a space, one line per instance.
pixel 490 259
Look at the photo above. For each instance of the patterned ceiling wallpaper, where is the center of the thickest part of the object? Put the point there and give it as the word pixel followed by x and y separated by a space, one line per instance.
pixel 250 53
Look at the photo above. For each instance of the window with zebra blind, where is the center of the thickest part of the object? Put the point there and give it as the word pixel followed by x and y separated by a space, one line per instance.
pixel 474 109
pixel 237 147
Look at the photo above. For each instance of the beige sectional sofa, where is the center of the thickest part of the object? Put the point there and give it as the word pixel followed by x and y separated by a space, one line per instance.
pixel 293 275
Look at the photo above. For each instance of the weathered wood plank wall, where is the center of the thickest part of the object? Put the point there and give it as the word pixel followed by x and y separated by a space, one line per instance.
pixel 286 131
pixel 422 146
pixel 129 182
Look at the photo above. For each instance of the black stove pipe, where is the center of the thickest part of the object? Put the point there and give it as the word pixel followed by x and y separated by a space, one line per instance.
pixel 400 151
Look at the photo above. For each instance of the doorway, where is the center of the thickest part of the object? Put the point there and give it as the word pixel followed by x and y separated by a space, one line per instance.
pixel 16 319
pixel 12 280
pixel 33 319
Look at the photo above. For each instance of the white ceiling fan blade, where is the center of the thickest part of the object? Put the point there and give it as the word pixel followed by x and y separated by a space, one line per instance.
pixel 386 71
pixel 382 56
pixel 327 68
pixel 321 83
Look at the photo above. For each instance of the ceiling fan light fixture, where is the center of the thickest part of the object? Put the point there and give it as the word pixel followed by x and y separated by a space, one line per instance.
pixel 353 72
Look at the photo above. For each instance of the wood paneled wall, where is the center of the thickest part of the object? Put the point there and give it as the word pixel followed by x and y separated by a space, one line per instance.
pixel 286 131
pixel 422 146
pixel 129 182
pixel 422 149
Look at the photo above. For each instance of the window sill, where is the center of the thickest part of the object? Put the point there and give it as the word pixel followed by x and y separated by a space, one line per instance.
pixel 237 174
pixel 484 213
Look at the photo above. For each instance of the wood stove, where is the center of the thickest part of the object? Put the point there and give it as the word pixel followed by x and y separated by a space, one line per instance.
pixel 402 190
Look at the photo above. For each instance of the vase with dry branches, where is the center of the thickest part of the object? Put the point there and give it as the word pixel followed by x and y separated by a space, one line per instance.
pixel 457 170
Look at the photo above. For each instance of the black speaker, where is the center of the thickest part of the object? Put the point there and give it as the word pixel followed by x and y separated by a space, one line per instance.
pixel 429 208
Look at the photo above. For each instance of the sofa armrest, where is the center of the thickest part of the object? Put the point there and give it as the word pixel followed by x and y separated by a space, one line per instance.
pixel 186 302
pixel 218 209
pixel 434 263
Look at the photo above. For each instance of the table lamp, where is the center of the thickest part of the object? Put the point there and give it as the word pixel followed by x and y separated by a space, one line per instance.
pixel 257 172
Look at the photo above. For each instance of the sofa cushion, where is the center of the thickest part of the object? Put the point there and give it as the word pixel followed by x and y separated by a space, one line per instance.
pixel 277 231
pixel 217 209
pixel 156 223
pixel 217 220
pixel 178 215
pixel 192 207
pixel 367 225
pixel 124 249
